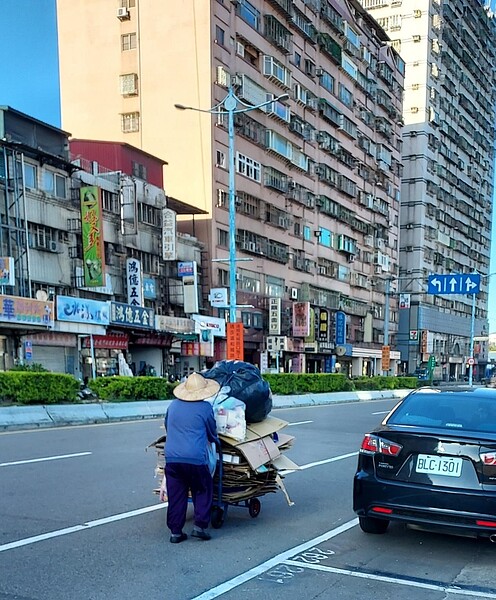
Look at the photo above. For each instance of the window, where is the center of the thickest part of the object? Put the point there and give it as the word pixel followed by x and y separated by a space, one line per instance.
pixel 219 35
pixel 128 84
pixel 30 176
pixel 349 66
pixel 139 170
pixel 248 167
pixel 272 68
pixel 274 287
pixel 327 81
pixel 309 67
pixel 297 60
pixel 110 202
pixel 54 184
pixel 223 238
pixel 128 41
pixel 307 233
pixel 220 160
pixel 151 215
pixel 249 13
pixel 130 122
pixel 222 277
pixel 345 95
pixel 325 237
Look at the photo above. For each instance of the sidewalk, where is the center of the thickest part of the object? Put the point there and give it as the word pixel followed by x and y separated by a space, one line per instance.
pixel 53 415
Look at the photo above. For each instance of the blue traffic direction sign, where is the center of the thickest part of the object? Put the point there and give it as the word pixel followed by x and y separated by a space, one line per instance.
pixel 464 283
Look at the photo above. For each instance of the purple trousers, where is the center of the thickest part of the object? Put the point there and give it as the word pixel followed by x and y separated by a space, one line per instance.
pixel 180 478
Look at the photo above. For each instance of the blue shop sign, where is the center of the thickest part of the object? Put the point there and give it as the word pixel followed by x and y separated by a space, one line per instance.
pixel 149 288
pixel 340 328
pixel 131 316
pixel 81 310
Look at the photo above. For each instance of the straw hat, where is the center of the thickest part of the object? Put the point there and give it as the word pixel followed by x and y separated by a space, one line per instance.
pixel 196 387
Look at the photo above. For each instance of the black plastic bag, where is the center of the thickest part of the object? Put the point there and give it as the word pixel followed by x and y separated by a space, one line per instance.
pixel 246 384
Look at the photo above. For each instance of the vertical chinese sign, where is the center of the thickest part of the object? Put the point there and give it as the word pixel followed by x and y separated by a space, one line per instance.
pixel 92 236
pixel 235 343
pixel 134 282
pixel 168 234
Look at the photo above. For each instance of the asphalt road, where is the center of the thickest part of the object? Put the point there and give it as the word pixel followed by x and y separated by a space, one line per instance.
pixel 84 525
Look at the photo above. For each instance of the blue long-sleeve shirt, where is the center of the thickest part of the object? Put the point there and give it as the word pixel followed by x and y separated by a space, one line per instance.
pixel 189 426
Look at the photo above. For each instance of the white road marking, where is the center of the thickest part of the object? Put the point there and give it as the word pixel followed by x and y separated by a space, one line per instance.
pixel 46 458
pixel 76 528
pixel 397 580
pixel 272 562
pixel 319 462
pixel 382 412
pixel 299 423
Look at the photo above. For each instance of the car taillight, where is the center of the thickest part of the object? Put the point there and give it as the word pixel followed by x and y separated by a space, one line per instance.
pixel 373 444
pixel 488 458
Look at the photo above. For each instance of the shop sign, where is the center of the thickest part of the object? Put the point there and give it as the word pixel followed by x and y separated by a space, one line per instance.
pixel 423 341
pixel 26 311
pixel 134 282
pixel 149 288
pixel 215 324
pixel 218 298
pixel 414 335
pixel 404 301
pixel 174 324
pixel 92 236
pixel 277 343
pixel 340 328
pixel 162 341
pixel 81 310
pixel 294 345
pixel 7 273
pixel 28 349
pixel 323 326
pixel 190 348
pixel 274 316
pixel 111 341
pixel 131 316
pixel 106 289
pixel 326 346
pixel 301 319
pixel 386 358
pixel 185 269
pixel 52 338
pixel 235 341
pixel 168 234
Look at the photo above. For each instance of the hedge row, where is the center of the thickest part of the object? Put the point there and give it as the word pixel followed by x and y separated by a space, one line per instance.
pixel 21 387
pixel 24 387
pixel 131 388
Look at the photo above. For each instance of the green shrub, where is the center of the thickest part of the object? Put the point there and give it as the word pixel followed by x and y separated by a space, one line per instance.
pixel 26 387
pixel 302 383
pixel 122 388
pixel 381 382
pixel 33 367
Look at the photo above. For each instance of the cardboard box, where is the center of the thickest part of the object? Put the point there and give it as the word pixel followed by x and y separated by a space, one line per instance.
pixel 258 452
pixel 283 463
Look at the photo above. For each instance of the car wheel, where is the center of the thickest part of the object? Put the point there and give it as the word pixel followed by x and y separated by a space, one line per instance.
pixel 372 525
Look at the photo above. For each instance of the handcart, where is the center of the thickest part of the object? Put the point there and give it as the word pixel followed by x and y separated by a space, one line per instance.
pixel 220 506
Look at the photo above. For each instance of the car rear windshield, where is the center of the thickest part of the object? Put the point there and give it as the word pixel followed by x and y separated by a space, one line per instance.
pixel 448 411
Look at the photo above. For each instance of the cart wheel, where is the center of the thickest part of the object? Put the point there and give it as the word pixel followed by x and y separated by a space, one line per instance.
pixel 254 507
pixel 217 517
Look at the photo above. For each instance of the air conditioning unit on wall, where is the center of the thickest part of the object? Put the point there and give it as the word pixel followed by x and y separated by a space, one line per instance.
pixel 122 13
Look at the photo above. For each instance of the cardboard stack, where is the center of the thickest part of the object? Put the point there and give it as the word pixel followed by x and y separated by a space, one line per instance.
pixel 251 468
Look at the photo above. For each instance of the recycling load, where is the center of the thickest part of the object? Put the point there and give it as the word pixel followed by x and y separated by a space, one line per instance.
pixel 252 443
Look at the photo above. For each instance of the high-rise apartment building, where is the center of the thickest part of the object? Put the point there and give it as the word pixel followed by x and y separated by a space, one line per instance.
pixel 317 176
pixel 449 48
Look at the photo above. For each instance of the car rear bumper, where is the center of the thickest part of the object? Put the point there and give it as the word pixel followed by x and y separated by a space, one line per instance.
pixel 458 509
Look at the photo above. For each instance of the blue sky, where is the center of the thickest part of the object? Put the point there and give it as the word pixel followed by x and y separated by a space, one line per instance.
pixel 29 79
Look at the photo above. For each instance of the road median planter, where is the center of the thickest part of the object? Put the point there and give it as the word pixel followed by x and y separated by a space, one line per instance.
pixel 24 387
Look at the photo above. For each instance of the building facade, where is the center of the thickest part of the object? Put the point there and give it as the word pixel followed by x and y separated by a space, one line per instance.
pixel 449 49
pixel 68 309
pixel 317 176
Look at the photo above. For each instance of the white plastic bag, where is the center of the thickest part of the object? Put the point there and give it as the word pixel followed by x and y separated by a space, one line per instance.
pixel 230 418
pixel 163 490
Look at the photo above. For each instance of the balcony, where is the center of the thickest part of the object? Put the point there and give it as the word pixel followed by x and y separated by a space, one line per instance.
pixel 284 7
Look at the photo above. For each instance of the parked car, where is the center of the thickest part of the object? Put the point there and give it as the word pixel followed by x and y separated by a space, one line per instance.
pixel 431 462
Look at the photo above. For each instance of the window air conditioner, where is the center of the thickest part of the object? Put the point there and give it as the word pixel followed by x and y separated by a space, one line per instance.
pixel 122 13
pixel 53 246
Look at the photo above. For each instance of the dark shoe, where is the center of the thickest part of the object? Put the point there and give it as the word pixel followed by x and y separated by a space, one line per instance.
pixel 177 539
pixel 201 535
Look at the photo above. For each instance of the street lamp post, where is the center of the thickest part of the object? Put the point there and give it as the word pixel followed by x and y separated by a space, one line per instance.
pixel 230 106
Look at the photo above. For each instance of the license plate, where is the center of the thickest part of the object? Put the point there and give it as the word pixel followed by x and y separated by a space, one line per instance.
pixel 439 465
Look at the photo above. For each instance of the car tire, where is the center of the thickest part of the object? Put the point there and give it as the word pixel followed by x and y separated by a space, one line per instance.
pixel 372 525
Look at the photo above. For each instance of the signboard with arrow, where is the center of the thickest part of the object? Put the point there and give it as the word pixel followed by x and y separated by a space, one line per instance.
pixel 464 283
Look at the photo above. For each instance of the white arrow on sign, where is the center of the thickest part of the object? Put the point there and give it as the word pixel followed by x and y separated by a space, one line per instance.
pixel 453 281
pixel 436 283
pixel 469 284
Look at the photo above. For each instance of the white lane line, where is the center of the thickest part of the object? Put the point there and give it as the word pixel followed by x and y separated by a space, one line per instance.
pixel 84 526
pixel 397 580
pixel 381 412
pixel 46 458
pixel 318 463
pixel 272 562
pixel 299 423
